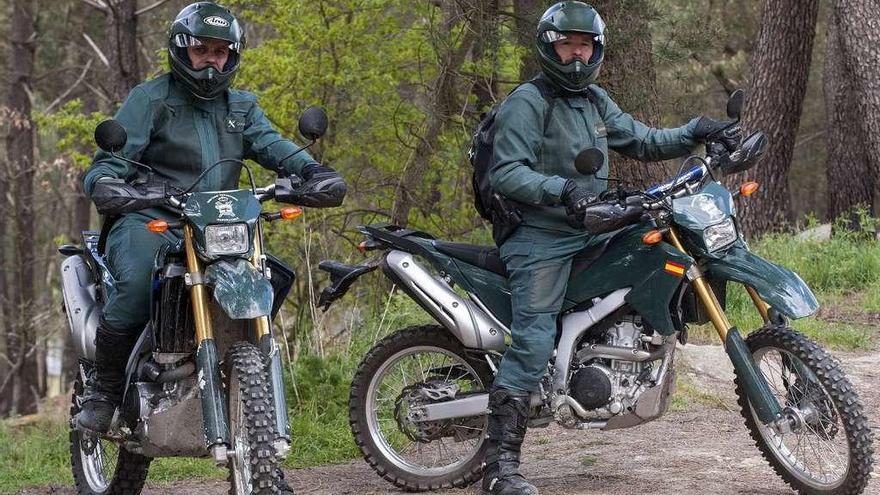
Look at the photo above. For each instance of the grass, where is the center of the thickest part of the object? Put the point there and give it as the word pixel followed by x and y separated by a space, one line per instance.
pixel 844 272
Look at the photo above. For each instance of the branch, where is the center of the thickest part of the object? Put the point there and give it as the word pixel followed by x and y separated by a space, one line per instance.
pixel 150 7
pixel 97 4
pixel 70 88
pixel 96 49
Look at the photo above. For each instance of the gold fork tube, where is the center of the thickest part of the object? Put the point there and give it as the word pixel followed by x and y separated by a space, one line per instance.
pixel 261 324
pixel 759 303
pixel 706 295
pixel 198 295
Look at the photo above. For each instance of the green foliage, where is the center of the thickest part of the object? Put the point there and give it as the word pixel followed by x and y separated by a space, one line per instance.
pixel 74 130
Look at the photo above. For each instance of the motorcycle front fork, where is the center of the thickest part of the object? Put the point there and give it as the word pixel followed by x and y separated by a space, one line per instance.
pixel 751 378
pixel 214 410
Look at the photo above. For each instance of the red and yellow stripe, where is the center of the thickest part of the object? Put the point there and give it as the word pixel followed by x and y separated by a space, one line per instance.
pixel 674 268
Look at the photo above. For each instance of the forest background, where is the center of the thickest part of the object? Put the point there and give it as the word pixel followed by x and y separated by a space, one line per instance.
pixel 404 83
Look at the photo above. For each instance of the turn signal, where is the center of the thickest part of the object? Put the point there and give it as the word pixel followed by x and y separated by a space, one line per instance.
pixel 362 247
pixel 748 188
pixel 157 226
pixel 291 212
pixel 652 237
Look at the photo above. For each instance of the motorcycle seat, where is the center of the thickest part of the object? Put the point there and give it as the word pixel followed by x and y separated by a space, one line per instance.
pixel 486 257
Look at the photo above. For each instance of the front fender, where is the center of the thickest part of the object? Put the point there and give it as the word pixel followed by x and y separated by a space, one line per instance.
pixel 240 289
pixel 779 287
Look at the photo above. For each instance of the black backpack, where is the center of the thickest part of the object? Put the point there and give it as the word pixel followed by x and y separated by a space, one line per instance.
pixel 501 212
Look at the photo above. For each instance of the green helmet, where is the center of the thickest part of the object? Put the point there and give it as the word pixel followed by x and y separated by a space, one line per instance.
pixel 570 17
pixel 195 22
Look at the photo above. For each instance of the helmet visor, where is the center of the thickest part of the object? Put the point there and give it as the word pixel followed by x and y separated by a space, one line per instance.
pixel 551 36
pixel 183 40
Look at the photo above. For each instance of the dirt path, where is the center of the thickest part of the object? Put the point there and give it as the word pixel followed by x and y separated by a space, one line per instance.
pixel 699 449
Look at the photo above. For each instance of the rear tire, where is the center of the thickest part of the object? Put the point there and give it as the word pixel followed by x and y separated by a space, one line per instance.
pixel 448 355
pixel 253 469
pixel 812 382
pixel 92 460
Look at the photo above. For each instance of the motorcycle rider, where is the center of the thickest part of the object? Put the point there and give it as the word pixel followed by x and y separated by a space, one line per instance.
pixel 179 124
pixel 536 170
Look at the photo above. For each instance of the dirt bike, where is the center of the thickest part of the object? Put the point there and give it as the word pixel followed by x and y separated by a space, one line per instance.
pixel 204 378
pixel 660 259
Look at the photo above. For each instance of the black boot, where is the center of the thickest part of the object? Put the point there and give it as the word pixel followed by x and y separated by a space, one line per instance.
pixel 103 392
pixel 508 418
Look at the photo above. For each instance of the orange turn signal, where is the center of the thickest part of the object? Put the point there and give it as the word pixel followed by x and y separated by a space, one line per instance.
pixel 652 237
pixel 291 212
pixel 748 188
pixel 157 226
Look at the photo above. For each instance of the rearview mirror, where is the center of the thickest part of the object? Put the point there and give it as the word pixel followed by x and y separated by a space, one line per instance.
pixel 589 161
pixel 313 123
pixel 735 103
pixel 110 136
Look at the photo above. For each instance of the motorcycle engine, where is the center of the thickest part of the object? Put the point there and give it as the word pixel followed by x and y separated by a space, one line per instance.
pixel 608 387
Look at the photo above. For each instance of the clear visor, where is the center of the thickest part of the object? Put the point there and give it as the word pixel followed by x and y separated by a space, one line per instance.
pixel 185 40
pixel 554 36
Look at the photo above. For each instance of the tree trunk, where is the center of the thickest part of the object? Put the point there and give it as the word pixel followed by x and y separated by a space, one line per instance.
pixel 439 109
pixel 629 77
pixel 21 339
pixel 780 67
pixel 860 41
pixel 526 15
pixel 122 29
pixel 850 176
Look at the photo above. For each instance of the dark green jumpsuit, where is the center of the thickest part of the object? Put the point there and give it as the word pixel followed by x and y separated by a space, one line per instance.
pixel 531 167
pixel 179 136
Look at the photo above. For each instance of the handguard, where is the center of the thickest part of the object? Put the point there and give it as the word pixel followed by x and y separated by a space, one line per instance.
pixel 322 190
pixel 600 218
pixel 115 196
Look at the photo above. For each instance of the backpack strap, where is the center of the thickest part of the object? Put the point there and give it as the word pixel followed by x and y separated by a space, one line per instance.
pixel 549 95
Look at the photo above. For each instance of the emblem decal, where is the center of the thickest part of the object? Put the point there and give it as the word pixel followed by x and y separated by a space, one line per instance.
pixel 674 268
pixel 224 204
pixel 216 21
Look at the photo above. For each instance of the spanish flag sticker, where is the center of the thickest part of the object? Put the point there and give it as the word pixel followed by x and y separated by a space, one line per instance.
pixel 673 268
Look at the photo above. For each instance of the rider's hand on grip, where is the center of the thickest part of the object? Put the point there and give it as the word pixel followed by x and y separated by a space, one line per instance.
pixel 609 216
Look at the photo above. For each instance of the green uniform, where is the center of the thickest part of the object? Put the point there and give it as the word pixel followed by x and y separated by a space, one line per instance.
pixel 531 167
pixel 179 136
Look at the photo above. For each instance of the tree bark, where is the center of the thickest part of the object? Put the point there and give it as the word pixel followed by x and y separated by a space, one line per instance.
pixel 122 29
pixel 526 15
pixel 439 109
pixel 859 38
pixel 780 67
pixel 629 77
pixel 851 180
pixel 24 383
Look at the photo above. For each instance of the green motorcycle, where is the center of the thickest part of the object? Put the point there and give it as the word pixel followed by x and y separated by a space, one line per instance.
pixel 660 259
pixel 205 376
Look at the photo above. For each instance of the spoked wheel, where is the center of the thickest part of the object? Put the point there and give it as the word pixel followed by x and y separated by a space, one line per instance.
pixel 411 368
pixel 253 467
pixel 99 465
pixel 826 445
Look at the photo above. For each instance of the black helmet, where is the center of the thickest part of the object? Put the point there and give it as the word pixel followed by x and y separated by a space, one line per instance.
pixel 204 20
pixel 570 17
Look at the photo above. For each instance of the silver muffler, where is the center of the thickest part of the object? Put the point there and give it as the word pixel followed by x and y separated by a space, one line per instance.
pixel 80 305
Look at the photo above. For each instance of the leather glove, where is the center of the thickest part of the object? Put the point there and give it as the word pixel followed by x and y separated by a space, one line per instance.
pixel 722 131
pixel 576 199
pixel 115 196
pixel 322 187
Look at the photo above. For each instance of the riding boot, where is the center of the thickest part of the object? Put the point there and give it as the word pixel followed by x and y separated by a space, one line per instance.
pixel 508 418
pixel 103 392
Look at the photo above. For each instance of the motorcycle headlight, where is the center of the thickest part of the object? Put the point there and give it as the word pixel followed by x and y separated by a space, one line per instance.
pixel 719 235
pixel 226 239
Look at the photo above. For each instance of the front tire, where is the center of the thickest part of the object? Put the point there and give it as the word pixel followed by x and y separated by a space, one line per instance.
pixel 829 448
pixel 402 370
pixel 253 466
pixel 99 466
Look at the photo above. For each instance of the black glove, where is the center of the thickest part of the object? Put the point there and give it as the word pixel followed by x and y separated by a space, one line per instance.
pixel 725 132
pixel 322 187
pixel 576 199
pixel 115 196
